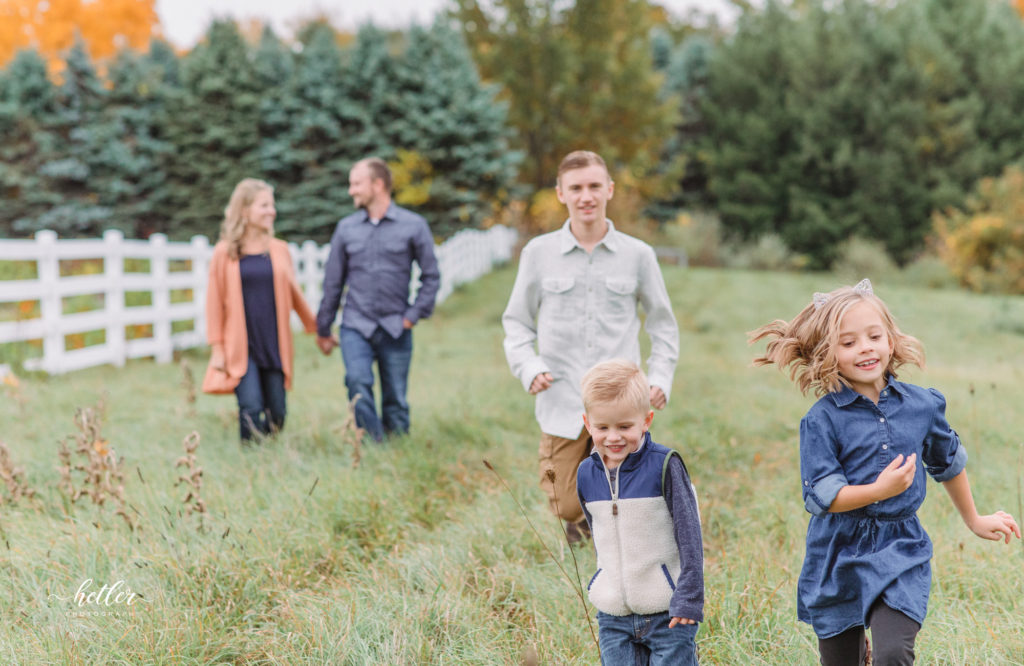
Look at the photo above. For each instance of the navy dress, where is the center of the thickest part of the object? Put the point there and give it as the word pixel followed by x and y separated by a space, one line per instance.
pixel 880 551
pixel 260 310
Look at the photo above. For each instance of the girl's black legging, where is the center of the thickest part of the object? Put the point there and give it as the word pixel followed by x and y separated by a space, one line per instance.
pixel 892 641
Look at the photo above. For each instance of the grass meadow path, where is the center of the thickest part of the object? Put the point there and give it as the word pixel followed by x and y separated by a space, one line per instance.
pixel 418 554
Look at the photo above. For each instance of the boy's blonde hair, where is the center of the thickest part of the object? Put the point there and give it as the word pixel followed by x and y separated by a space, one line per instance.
pixel 614 381
pixel 807 344
pixel 233 227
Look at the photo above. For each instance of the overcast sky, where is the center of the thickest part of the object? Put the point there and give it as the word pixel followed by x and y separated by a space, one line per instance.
pixel 185 21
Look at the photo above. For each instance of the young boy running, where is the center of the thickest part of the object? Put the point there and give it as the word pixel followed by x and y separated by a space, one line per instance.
pixel 638 500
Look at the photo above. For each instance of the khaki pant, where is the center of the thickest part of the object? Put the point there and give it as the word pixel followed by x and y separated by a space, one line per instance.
pixel 559 457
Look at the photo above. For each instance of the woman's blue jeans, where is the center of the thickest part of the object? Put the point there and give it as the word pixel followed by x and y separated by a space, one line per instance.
pixel 393 356
pixel 639 640
pixel 261 402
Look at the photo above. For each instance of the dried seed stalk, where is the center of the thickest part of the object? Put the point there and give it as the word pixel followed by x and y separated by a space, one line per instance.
pixel 13 477
pixel 98 462
pixel 193 477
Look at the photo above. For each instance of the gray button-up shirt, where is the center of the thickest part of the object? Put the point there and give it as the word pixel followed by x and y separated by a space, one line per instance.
pixel 570 310
pixel 375 262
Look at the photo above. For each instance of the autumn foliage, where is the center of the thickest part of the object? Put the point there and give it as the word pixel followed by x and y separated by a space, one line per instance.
pixel 984 245
pixel 51 27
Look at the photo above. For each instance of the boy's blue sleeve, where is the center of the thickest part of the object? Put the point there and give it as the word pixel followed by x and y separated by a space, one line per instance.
pixel 688 598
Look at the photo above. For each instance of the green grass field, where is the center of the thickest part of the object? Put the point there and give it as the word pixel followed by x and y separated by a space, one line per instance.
pixel 420 556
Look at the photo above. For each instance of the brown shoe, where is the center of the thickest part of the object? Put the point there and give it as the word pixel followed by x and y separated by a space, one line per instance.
pixel 584 528
pixel 577 532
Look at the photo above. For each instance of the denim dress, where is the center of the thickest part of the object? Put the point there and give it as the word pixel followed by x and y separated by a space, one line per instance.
pixel 880 551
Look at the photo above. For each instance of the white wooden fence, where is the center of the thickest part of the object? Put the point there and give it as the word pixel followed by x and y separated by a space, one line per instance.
pixel 173 269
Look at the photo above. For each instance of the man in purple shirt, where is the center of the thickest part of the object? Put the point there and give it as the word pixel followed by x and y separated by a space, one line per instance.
pixel 372 251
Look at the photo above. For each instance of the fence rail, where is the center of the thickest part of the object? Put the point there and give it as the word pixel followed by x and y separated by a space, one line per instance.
pixel 170 279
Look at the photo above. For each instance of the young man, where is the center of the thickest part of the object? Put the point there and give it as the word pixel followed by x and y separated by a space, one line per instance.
pixel 637 496
pixel 574 303
pixel 372 251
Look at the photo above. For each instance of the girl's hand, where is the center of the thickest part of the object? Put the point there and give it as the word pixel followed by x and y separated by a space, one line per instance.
pixel 897 476
pixel 680 620
pixel 996 526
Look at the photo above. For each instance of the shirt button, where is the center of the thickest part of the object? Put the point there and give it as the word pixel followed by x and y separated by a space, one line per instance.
pixel 805 483
pixel 885 446
pixel 881 420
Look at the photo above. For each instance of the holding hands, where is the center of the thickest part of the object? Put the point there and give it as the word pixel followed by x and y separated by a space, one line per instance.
pixel 327 344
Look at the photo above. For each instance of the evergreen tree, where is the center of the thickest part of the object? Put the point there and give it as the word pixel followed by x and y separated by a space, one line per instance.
pixel 462 167
pixel 829 120
pixel 134 119
pixel 71 180
pixel 682 169
pixel 751 134
pixel 27 100
pixel 213 128
pixel 329 131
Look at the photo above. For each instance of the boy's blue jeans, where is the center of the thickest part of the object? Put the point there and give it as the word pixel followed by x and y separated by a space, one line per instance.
pixel 642 640
pixel 393 357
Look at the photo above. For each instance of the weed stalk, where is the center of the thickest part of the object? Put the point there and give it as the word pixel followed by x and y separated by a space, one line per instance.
pixel 576 585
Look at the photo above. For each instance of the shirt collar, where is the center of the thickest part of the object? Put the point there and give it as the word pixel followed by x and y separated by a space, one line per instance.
pixel 567 241
pixel 847 396
pixel 389 214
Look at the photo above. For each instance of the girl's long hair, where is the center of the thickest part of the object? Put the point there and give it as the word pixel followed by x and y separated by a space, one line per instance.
pixel 232 229
pixel 807 344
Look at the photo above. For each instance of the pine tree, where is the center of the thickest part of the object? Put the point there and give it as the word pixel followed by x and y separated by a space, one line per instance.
pixel 682 171
pixel 328 132
pixel 71 182
pixel 213 129
pixel 751 134
pixel 462 167
pixel 134 118
pixel 27 101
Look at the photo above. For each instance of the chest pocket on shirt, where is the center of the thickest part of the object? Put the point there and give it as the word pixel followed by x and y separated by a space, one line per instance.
pixel 620 295
pixel 398 246
pixel 559 298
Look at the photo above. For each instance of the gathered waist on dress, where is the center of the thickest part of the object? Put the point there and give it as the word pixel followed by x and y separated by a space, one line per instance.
pixel 863 514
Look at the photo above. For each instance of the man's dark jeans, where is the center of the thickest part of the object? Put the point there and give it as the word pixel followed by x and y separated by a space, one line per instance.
pixel 393 357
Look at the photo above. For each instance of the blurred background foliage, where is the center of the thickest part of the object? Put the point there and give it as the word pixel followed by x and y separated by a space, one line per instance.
pixel 857 135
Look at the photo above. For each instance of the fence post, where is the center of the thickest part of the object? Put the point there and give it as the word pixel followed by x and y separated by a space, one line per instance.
pixel 48 269
pixel 200 270
pixel 113 299
pixel 309 276
pixel 161 299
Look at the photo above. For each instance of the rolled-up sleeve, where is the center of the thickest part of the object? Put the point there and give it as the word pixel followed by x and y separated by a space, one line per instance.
pixel 944 456
pixel 821 475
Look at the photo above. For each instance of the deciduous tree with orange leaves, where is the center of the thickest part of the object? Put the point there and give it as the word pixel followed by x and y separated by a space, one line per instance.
pixel 50 27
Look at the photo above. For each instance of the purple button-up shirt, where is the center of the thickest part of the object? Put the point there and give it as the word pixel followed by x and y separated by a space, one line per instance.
pixel 374 262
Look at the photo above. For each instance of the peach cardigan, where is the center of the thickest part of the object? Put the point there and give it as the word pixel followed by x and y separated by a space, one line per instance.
pixel 225 315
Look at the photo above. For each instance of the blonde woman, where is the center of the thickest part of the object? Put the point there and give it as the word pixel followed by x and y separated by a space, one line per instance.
pixel 249 299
